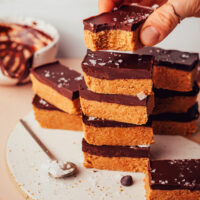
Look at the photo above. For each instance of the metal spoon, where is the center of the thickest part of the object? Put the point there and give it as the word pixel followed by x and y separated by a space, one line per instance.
pixel 56 169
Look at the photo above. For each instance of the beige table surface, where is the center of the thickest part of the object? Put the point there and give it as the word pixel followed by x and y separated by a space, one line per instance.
pixel 15 102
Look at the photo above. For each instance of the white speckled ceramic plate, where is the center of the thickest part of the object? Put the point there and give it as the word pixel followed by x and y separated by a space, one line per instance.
pixel 28 165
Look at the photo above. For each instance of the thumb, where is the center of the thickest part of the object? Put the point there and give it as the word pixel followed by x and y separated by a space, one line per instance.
pixel 164 19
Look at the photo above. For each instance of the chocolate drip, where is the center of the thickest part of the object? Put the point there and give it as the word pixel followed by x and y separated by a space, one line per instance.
pixel 16 59
pixel 24 34
pixel 198 72
pixel 116 151
pixel 18 43
pixel 35 34
pixel 5 30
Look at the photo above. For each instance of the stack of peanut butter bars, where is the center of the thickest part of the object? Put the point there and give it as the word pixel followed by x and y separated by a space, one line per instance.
pixel 56 103
pixel 117 94
pixel 175 89
pixel 125 98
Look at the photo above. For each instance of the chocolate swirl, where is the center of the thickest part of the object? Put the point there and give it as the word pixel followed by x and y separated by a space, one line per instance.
pixel 18 43
pixel 16 59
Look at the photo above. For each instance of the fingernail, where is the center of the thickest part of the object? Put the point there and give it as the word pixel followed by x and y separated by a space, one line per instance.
pixel 150 36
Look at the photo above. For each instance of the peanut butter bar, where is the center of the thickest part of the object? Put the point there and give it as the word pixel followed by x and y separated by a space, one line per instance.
pixel 58 85
pixel 118 158
pixel 121 108
pixel 51 117
pixel 116 30
pixel 173 70
pixel 174 101
pixel 118 73
pixel 105 132
pixel 176 123
pixel 173 179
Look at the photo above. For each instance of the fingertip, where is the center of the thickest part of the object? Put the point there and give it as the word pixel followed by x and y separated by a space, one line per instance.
pixel 159 24
pixel 107 5
pixel 149 36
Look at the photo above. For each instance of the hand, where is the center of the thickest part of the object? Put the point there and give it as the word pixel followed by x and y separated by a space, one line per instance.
pixel 163 20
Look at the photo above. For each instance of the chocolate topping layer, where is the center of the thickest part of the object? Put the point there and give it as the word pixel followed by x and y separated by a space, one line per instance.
pixel 113 65
pixel 60 78
pixel 40 103
pixel 113 98
pixel 191 115
pixel 100 123
pixel 161 93
pixel 127 18
pixel 175 174
pixel 116 151
pixel 171 58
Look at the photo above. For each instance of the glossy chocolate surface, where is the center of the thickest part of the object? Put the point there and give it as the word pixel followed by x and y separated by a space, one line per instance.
pixel 60 78
pixel 171 58
pixel 113 98
pixel 116 151
pixel 191 115
pixel 100 123
pixel 127 18
pixel 162 93
pixel 175 174
pixel 40 103
pixel 114 65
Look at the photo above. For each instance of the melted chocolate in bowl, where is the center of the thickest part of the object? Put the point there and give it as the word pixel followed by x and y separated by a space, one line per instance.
pixel 17 46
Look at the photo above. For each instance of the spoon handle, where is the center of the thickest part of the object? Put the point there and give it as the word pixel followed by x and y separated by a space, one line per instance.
pixel 39 142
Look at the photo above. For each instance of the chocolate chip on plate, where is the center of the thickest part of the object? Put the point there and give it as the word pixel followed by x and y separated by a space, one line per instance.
pixel 127 180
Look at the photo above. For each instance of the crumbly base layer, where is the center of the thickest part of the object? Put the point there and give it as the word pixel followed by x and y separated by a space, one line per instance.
pixel 119 86
pixel 113 40
pixel 116 112
pixel 129 136
pixel 116 163
pixel 55 98
pixel 169 194
pixel 174 128
pixel 178 104
pixel 173 79
pixel 53 119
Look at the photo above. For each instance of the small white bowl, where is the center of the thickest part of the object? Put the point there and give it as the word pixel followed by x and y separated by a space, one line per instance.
pixel 40 57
